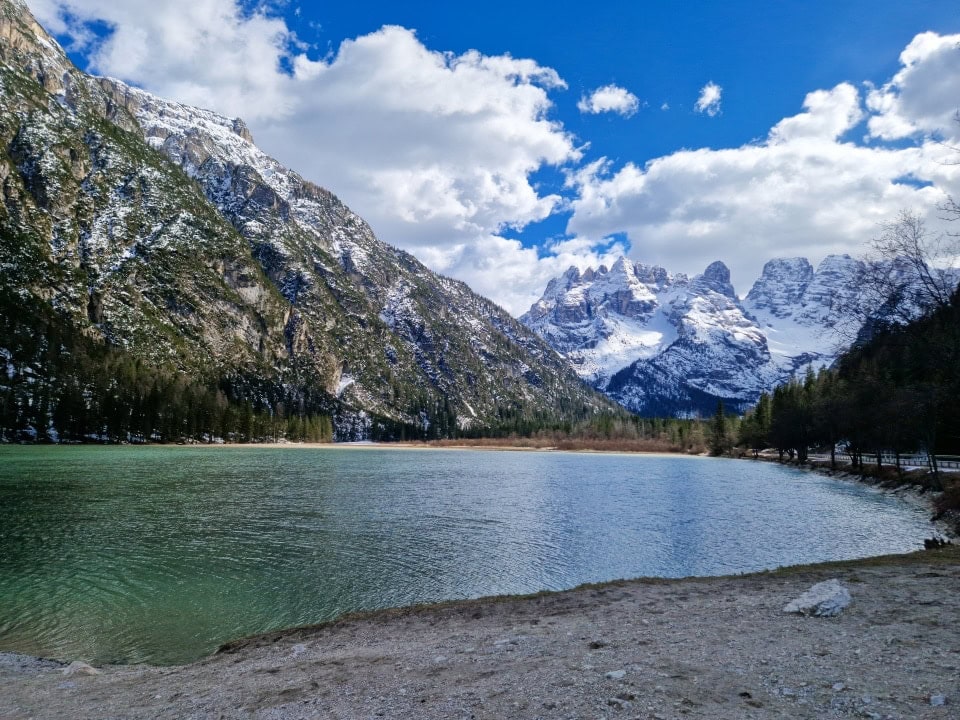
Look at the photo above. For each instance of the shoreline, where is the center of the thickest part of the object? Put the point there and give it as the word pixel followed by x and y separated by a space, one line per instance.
pixel 947 526
pixel 370 445
pixel 692 647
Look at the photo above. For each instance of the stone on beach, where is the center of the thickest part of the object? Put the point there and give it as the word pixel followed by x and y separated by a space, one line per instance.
pixel 825 599
pixel 80 668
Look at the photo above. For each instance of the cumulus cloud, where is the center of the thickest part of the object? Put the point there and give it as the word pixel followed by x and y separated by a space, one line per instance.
pixel 609 98
pixel 803 191
pixel 829 114
pixel 439 150
pixel 209 53
pixel 432 148
pixel 709 100
pixel 924 96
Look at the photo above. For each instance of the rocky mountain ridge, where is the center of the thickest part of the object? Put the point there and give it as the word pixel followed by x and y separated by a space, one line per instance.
pixel 163 230
pixel 660 343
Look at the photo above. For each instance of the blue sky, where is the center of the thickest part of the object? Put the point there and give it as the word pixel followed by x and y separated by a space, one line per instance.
pixel 463 132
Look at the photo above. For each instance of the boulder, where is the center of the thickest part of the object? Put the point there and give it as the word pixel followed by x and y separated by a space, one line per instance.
pixel 825 599
pixel 80 668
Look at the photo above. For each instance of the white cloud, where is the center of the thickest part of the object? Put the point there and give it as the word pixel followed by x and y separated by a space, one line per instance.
pixel 431 148
pixel 709 100
pixel 924 96
pixel 801 192
pixel 208 53
pixel 609 98
pixel 438 150
pixel 829 114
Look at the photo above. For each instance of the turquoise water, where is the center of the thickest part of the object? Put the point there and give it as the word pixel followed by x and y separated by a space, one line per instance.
pixel 160 554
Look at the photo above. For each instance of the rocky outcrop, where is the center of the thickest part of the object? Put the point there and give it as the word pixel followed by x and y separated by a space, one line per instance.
pixel 781 286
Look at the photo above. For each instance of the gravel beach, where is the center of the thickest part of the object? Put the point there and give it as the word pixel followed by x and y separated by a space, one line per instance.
pixel 692 648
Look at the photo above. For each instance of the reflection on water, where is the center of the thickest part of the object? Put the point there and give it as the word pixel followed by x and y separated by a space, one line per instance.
pixel 159 554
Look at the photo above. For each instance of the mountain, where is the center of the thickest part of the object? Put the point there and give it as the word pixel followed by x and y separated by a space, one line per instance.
pixel 163 232
pixel 663 344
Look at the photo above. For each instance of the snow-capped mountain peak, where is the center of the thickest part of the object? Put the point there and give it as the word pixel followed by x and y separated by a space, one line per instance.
pixel 781 286
pixel 662 343
pixel 716 278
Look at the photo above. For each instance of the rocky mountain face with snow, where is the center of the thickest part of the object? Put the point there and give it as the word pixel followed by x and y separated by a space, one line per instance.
pixel 663 344
pixel 165 231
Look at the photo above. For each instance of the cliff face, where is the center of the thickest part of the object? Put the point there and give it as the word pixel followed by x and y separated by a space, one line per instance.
pixel 164 230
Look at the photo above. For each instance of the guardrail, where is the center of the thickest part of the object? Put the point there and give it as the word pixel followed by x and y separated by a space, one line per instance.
pixel 944 462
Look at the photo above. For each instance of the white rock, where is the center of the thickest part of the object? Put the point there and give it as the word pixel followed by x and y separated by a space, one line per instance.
pixel 825 599
pixel 80 668
pixel 615 675
pixel 298 650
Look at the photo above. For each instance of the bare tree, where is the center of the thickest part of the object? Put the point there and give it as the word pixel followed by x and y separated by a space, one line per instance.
pixel 910 272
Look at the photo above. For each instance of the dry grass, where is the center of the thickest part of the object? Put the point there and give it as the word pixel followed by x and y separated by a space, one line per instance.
pixel 570 444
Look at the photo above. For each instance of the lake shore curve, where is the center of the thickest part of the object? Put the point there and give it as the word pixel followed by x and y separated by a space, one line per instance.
pixel 698 647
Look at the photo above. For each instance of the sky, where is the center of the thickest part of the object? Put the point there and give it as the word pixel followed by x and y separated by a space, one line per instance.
pixel 502 143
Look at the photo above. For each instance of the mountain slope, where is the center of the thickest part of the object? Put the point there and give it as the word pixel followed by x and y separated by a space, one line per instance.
pixel 163 230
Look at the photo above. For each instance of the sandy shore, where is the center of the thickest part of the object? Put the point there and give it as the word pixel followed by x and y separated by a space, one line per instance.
pixel 417 445
pixel 694 648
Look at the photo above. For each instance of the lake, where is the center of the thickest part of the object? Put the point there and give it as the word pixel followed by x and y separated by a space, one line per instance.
pixel 159 554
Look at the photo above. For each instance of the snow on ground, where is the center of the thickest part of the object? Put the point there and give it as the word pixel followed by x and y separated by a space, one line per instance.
pixel 628 340
pixel 345 382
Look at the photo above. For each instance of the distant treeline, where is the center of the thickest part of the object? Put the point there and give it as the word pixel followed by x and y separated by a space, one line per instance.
pixel 58 384
pixel 895 393
pixel 605 431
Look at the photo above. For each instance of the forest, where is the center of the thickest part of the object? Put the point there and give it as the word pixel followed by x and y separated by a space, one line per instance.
pixel 896 390
pixel 60 385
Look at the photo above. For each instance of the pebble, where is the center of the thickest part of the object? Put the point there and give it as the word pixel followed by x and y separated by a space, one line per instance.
pixel 938 700
pixel 837 687
pixel 615 674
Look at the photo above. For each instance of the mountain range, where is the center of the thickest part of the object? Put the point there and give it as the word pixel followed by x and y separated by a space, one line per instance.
pixel 667 344
pixel 163 231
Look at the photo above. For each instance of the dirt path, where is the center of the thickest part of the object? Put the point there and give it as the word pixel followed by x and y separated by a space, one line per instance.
pixel 697 648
